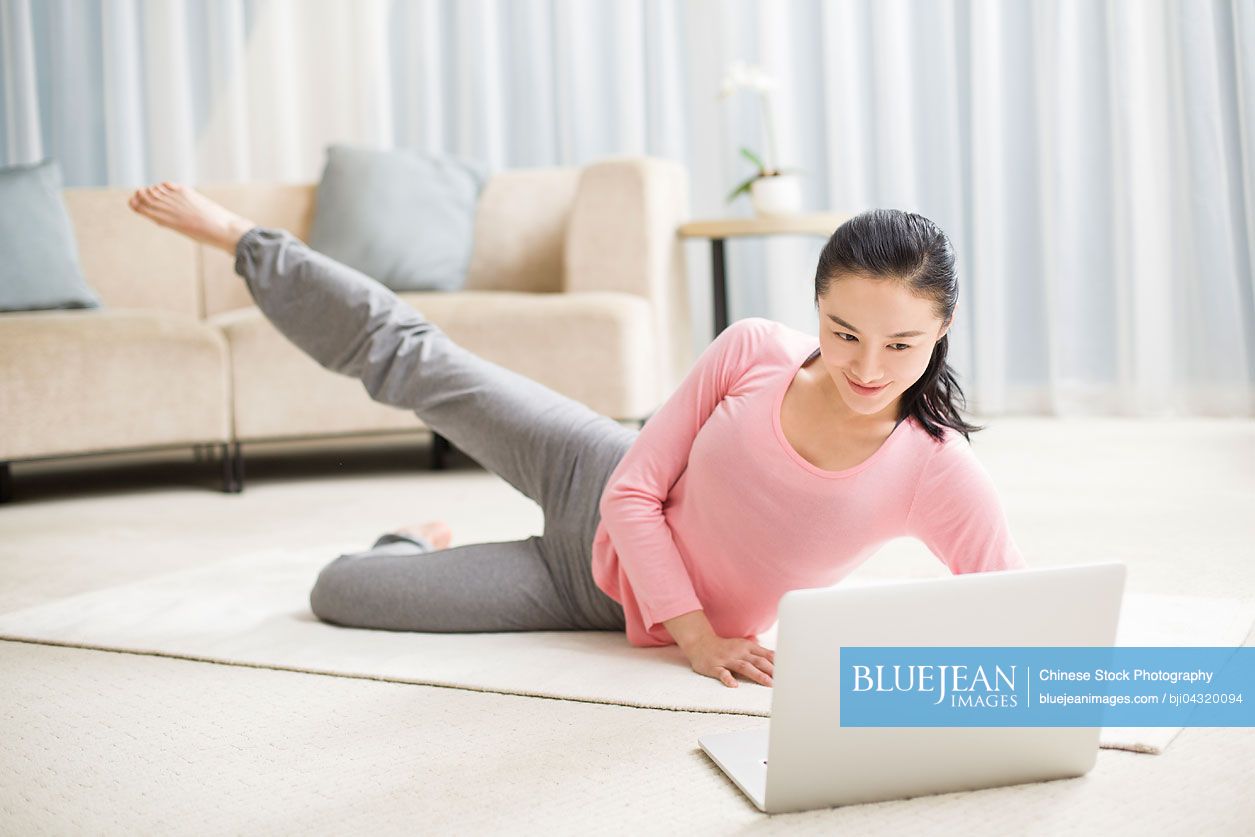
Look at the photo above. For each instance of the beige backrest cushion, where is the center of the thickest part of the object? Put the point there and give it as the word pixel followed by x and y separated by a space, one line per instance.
pixel 129 260
pixel 520 230
pixel 288 206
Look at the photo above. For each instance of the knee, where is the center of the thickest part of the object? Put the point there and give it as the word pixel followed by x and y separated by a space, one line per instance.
pixel 327 598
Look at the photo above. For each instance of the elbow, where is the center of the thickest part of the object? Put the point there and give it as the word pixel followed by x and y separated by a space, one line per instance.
pixel 613 496
pixel 607 492
pixel 619 498
pixel 608 500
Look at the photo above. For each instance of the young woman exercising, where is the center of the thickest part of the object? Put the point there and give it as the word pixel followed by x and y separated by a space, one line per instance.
pixel 782 461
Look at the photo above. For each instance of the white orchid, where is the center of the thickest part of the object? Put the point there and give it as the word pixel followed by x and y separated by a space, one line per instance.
pixel 743 76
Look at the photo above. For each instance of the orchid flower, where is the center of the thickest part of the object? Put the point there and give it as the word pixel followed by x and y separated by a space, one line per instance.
pixel 742 76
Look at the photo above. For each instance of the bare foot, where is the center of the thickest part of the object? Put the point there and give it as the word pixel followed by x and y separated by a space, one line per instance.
pixel 185 210
pixel 436 531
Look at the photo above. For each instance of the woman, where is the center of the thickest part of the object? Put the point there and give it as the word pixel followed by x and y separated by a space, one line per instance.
pixel 777 464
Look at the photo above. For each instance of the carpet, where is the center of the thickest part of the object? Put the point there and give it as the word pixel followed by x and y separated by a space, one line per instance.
pixel 253 610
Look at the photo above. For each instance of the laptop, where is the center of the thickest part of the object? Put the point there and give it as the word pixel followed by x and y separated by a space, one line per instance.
pixel 804 759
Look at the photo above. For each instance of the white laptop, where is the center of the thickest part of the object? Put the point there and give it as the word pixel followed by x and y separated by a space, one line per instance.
pixel 804 759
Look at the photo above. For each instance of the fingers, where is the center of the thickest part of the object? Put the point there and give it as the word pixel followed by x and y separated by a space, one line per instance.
pixel 763 663
pixel 751 671
pixel 744 656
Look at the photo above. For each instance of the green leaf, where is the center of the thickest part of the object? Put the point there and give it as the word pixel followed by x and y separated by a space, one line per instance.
pixel 744 187
pixel 753 158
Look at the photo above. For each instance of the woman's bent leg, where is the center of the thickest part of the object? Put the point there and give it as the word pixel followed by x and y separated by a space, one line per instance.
pixel 530 435
pixel 478 587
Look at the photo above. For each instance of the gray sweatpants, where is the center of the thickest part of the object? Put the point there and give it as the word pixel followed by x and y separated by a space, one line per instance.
pixel 553 449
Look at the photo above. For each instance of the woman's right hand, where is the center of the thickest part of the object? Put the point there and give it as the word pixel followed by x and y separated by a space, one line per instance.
pixel 723 657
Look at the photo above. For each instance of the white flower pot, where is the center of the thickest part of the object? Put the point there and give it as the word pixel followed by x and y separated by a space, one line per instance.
pixel 780 194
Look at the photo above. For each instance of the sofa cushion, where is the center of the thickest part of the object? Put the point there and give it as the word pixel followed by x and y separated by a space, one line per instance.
pixel 400 216
pixel 520 230
pixel 40 268
pixel 286 206
pixel 109 379
pixel 132 262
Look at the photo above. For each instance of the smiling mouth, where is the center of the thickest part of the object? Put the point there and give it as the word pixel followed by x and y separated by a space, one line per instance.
pixel 867 388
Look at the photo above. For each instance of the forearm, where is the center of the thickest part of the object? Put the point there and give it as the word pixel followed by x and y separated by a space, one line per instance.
pixel 689 628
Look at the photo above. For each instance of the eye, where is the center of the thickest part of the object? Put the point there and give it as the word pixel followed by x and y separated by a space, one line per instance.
pixel 854 339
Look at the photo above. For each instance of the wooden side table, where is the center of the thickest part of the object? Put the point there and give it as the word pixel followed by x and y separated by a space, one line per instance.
pixel 720 229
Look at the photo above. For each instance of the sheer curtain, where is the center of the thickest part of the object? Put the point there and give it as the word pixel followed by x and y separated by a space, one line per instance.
pixel 1092 162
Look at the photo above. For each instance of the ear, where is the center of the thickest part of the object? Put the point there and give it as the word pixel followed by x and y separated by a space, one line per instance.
pixel 953 316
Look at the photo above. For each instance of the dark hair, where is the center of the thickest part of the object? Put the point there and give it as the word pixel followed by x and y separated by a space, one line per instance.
pixel 891 245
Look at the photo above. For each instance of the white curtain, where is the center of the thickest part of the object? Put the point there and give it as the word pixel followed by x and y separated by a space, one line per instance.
pixel 1093 162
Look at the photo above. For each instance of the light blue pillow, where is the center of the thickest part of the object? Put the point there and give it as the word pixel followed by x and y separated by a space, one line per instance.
pixel 403 217
pixel 40 268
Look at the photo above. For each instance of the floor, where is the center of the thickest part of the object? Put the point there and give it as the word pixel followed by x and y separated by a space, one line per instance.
pixel 107 742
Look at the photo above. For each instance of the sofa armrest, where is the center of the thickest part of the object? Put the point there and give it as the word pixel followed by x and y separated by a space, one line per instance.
pixel 622 236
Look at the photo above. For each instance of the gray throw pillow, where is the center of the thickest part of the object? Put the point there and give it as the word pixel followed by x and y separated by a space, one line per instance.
pixel 40 268
pixel 403 217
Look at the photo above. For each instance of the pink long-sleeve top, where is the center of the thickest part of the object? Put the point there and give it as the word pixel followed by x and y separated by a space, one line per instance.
pixel 712 509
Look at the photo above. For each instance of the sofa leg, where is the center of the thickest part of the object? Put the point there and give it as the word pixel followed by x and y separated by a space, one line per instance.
pixel 238 456
pixel 439 448
pixel 6 483
pixel 232 468
pixel 228 472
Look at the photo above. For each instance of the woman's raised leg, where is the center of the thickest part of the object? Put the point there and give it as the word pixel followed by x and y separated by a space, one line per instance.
pixel 349 323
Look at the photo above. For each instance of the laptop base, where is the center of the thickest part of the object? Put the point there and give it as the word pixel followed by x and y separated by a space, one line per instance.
pixel 742 754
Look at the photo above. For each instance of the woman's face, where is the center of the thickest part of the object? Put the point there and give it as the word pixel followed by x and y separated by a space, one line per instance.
pixel 858 318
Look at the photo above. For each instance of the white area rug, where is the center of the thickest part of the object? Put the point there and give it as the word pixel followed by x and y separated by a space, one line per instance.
pixel 253 610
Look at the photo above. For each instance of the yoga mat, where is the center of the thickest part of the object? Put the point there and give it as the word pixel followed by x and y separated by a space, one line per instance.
pixel 253 610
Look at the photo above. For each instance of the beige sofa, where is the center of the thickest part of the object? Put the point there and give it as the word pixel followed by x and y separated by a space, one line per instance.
pixel 576 280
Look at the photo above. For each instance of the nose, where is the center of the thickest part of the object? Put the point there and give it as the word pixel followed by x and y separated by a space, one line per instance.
pixel 862 374
pixel 865 379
